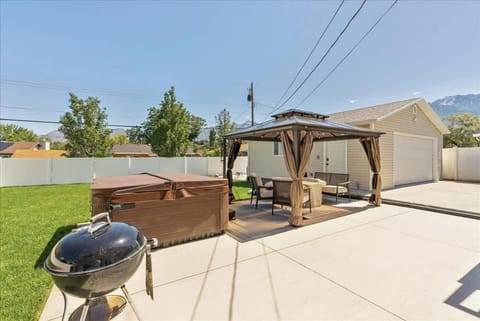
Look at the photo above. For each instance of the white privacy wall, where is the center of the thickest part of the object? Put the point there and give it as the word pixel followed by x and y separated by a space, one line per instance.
pixel 461 164
pixel 71 170
pixel 45 171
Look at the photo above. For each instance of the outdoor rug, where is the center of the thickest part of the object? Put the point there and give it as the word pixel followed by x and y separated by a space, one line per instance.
pixel 253 223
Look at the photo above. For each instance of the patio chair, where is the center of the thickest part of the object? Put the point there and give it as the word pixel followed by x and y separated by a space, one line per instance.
pixel 337 184
pixel 281 194
pixel 253 191
pixel 261 191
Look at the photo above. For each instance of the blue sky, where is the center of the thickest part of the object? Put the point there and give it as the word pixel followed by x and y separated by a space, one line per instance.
pixel 129 53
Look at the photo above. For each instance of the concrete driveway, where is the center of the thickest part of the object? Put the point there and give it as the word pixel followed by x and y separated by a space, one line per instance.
pixel 444 194
pixel 384 263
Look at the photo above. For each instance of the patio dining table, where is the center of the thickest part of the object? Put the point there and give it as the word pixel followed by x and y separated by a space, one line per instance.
pixel 315 185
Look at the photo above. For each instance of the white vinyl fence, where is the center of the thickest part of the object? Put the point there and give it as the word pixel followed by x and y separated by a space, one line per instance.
pixel 46 171
pixel 462 164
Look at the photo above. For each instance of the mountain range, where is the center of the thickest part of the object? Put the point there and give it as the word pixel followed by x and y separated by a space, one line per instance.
pixel 443 107
pixel 457 104
pixel 56 136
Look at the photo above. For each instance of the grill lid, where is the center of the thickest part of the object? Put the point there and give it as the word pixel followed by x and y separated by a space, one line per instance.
pixel 95 245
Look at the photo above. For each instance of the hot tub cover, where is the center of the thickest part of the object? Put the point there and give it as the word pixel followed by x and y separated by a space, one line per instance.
pixel 171 207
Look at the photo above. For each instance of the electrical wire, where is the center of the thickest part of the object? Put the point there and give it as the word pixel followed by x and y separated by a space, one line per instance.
pixel 56 122
pixel 31 108
pixel 323 57
pixel 310 54
pixel 35 84
pixel 348 54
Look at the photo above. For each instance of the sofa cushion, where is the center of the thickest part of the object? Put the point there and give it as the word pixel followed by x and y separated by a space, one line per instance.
pixel 332 189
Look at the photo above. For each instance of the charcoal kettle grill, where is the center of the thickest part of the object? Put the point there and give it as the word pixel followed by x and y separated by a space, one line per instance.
pixel 97 258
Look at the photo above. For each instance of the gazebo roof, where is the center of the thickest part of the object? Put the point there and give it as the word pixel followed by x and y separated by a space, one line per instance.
pixel 294 119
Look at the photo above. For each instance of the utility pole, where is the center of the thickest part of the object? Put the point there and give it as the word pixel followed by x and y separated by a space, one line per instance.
pixel 250 99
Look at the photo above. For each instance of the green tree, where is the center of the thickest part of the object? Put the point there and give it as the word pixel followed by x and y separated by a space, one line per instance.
pixel 212 138
pixel 119 139
pixel 195 126
pixel 167 129
pixel 85 128
pixel 136 135
pixel 224 124
pixel 462 127
pixel 15 133
pixel 57 146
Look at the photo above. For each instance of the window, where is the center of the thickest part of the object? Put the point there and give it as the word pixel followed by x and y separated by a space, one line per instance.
pixel 277 149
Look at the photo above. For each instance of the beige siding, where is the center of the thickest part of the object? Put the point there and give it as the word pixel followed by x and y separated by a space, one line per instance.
pixel 357 166
pixel 403 122
pixel 261 160
pixel 316 163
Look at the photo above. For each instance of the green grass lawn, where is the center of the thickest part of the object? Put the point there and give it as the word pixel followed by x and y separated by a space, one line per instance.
pixel 32 220
pixel 241 190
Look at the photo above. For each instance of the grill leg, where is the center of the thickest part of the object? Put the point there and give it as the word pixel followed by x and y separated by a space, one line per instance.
pixel 64 305
pixel 130 301
pixel 83 317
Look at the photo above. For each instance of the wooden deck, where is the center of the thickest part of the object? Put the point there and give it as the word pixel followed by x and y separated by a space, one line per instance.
pixel 253 223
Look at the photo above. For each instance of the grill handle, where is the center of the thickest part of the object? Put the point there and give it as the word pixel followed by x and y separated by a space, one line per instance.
pixel 92 228
pixel 148 265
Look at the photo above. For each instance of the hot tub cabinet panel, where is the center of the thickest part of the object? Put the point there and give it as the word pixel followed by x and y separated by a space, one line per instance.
pixel 173 208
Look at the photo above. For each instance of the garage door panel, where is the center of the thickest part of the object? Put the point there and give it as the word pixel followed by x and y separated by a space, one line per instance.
pixel 413 160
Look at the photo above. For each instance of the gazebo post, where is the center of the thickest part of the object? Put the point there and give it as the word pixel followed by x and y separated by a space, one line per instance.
pixel 296 220
pixel 224 159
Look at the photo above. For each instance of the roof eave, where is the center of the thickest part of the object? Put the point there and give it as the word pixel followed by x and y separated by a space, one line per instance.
pixel 427 110
pixel 333 134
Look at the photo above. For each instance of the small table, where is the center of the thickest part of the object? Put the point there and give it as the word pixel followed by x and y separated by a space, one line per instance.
pixel 315 191
pixel 315 185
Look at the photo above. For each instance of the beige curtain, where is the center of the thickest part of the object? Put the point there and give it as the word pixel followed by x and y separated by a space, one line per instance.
pixel 297 146
pixel 371 147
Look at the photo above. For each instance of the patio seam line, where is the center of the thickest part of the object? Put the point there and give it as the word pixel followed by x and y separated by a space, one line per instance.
pixel 433 208
pixel 341 286
pixel 247 235
pixel 270 280
pixel 426 238
pixel 201 273
pixel 204 281
pixel 337 232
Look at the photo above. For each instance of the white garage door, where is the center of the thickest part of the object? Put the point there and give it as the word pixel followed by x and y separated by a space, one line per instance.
pixel 413 159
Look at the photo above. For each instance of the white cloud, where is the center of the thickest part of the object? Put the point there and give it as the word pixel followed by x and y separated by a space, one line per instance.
pixel 415 93
pixel 353 101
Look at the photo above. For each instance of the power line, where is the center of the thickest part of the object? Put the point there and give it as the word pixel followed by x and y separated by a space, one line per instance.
pixel 310 54
pixel 31 108
pixel 323 57
pixel 348 54
pixel 56 122
pixel 35 84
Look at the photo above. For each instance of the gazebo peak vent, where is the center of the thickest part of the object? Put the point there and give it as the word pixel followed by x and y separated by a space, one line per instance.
pixel 297 112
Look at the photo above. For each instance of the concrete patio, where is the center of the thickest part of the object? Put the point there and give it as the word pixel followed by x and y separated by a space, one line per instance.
pixel 462 196
pixel 382 263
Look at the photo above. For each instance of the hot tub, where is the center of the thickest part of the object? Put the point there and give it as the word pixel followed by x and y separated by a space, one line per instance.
pixel 173 208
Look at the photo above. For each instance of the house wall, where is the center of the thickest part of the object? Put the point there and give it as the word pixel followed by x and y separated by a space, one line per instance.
pixel 403 123
pixel 358 166
pixel 262 161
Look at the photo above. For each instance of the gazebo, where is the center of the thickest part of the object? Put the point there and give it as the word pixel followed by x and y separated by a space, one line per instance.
pixel 298 130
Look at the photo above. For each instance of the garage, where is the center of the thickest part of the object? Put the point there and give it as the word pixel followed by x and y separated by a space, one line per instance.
pixel 410 149
pixel 413 159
